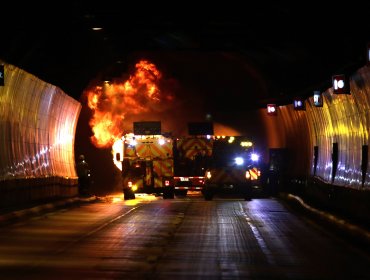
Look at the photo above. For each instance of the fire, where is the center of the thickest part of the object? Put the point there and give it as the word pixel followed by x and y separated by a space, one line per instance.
pixel 112 103
pixel 116 105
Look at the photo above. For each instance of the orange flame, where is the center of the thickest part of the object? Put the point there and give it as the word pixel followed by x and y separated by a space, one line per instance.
pixel 111 103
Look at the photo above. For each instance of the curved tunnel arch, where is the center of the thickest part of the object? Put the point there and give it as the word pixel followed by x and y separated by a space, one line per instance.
pixel 343 119
pixel 37 125
pixel 39 120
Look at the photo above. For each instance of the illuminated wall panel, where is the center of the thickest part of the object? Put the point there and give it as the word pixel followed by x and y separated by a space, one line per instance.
pixel 297 140
pixel 37 128
pixel 343 119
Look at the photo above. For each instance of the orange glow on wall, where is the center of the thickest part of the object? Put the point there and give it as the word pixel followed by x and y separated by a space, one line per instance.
pixel 37 128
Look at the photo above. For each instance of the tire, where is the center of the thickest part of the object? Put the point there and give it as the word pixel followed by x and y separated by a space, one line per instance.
pixel 208 195
pixel 128 194
pixel 168 193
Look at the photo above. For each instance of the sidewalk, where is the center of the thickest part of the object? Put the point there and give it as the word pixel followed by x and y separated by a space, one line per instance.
pixel 346 228
pixel 18 213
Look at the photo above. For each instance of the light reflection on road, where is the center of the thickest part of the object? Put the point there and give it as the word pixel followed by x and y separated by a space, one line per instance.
pixel 181 238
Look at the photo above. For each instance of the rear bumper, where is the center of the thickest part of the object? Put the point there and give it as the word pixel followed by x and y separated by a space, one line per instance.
pixel 228 187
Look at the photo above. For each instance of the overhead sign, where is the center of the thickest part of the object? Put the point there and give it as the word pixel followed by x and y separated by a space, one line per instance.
pixel 317 99
pixel 2 78
pixel 200 128
pixel 340 84
pixel 271 109
pixel 147 128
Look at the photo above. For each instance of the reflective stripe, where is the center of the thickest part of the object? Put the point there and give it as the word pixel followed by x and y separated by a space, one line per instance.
pixel 188 188
pixel 229 176
pixel 192 146
pixel 254 173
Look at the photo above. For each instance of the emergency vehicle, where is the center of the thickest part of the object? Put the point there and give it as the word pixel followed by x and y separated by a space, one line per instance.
pixel 191 159
pixel 147 165
pixel 167 166
pixel 164 165
pixel 234 168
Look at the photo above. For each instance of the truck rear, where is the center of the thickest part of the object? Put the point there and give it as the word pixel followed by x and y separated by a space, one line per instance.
pixel 148 165
pixel 191 159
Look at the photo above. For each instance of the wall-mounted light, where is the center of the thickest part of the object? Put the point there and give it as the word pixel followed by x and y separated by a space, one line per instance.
pixel 2 75
pixel 271 109
pixel 317 99
pixel 340 84
pixel 298 104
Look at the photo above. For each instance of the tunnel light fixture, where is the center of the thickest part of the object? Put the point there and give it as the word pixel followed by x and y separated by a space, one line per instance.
pixel 340 84
pixel 272 109
pixel 317 99
pixel 2 78
pixel 298 104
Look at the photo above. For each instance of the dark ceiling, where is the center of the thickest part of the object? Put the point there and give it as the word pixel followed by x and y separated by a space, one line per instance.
pixel 260 53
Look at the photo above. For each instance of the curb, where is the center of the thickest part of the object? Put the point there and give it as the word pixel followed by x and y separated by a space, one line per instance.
pixel 18 215
pixel 355 232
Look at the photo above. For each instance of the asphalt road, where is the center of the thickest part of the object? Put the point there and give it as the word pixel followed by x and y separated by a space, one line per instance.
pixel 183 238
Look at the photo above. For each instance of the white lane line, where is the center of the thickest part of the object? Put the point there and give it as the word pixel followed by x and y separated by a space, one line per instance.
pixel 261 242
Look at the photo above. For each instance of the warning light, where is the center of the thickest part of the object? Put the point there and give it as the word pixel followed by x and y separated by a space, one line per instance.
pixel 298 104
pixel 339 84
pixel 271 109
pixel 317 99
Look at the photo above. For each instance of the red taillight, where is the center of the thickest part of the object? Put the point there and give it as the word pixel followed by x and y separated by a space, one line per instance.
pixel 166 183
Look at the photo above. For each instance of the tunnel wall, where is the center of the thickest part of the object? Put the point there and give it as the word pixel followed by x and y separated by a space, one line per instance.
pixel 37 129
pixel 342 121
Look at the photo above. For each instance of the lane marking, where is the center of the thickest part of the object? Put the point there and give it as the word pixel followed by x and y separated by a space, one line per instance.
pixel 261 242
pixel 96 230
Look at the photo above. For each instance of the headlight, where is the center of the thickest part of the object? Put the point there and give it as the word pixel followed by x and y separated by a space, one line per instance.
pixel 239 161
pixel 255 157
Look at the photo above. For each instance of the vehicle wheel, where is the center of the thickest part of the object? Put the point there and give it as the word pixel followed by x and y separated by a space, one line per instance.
pixel 168 193
pixel 128 194
pixel 208 195
pixel 171 195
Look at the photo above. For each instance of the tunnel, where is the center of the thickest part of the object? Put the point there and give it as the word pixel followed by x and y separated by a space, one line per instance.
pixel 316 151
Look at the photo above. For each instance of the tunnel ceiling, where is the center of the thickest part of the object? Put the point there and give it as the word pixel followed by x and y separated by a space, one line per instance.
pixel 262 53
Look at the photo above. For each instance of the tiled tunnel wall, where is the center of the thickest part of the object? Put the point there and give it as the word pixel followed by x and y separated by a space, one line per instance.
pixel 327 147
pixel 37 130
pixel 38 123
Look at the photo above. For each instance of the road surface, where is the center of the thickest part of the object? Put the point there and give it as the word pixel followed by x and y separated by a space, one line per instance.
pixel 181 238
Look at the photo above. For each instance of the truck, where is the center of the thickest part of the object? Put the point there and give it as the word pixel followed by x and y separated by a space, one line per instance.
pixel 164 165
pixel 191 159
pixel 169 166
pixel 234 168
pixel 147 165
